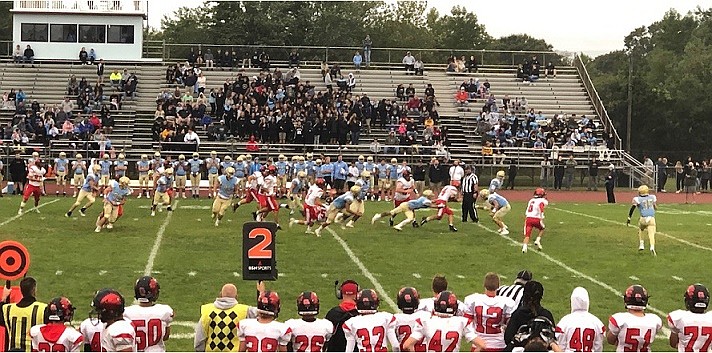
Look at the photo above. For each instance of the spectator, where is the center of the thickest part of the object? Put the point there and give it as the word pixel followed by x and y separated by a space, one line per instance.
pixel 83 56
pixel 107 121
pixel 550 70
pixel 400 93
pixel 17 56
pixel 529 309
pixel 471 64
pixel 339 314
pixel 92 56
pixel 28 56
pixel 18 175
pixel 570 170
pixel 351 83
pixel 357 60
pixel 367 44
pixel 462 97
pixel 610 184
pixel 293 59
pixel 375 147
pixel 593 166
pixel 192 138
pixel 115 79
pixel 201 82
pixel 409 63
pixel 67 107
pixel 559 166
pixel 209 59
pixel 662 174
pixel 252 145
pixel 436 175
pixel 419 67
pixel 691 181
pixel 100 71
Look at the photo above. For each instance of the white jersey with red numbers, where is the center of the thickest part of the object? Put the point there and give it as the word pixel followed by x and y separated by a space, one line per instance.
pixel 55 338
pixel 314 193
pixel 694 330
pixel 635 333
pixel 447 193
pixel 268 184
pixel 405 185
pixel 118 336
pixel 428 304
pixel 580 331
pixel 405 324
pixel 263 337
pixel 35 175
pixel 257 180
pixel 151 323
pixel 310 336
pixel 489 315
pixel 369 333
pixel 535 208
pixel 444 334
pixel 91 331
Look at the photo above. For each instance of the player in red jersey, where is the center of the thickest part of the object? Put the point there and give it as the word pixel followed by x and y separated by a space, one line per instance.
pixel 535 218
pixel 448 193
pixel 312 206
pixel 309 334
pixel 406 322
pixel 580 331
pixel 370 331
pixel 633 330
pixel 151 320
pixel 35 176
pixel 268 196
pixel 118 334
pixel 265 333
pixel 489 313
pixel 55 336
pixel 691 329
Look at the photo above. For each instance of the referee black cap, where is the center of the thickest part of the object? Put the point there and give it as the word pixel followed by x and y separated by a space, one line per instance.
pixel 524 276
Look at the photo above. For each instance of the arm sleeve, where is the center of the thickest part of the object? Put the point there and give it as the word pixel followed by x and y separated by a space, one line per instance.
pixel 631 210
pixel 350 339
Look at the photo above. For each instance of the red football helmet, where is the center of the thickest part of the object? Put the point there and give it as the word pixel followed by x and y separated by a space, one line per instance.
pixel 268 303
pixel 60 309
pixel 539 192
pixel 308 303
pixel 108 304
pixel 320 182
pixel 146 289
pixel 697 298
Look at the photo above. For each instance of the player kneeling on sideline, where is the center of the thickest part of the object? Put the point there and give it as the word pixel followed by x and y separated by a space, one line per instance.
pixel 449 192
pixel 312 206
pixel 408 301
pixel 35 176
pixel 118 334
pixel 443 330
pixel 408 208
pixel 114 197
pixel 89 191
pixel 309 334
pixel 150 319
pixel 369 320
pixel 226 192
pixel 646 204
pixel 264 334
pixel 56 336
pixel 535 218
pixel 163 192
pixel 687 326
pixel 357 207
pixel 341 204
pixel 622 326
pixel 500 208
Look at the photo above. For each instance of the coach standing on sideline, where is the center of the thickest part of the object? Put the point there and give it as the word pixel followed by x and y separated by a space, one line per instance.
pixel 469 195
pixel 339 314
pixel 516 290
pixel 19 317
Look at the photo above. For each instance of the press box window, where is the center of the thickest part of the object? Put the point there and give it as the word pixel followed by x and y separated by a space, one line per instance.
pixel 92 34
pixel 63 33
pixel 33 32
pixel 120 34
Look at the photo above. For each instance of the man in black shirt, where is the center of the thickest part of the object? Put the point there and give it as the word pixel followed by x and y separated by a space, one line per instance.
pixel 593 166
pixel 435 175
pixel 339 314
pixel 419 176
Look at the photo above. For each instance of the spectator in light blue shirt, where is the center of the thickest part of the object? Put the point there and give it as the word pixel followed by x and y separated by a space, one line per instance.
pixel 357 60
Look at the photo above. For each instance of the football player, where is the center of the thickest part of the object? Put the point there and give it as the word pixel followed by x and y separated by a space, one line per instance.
pixel 35 176
pixel 439 285
pixel 241 168
pixel 265 333
pixel 61 167
pixel 79 170
pixel 365 331
pixel 496 182
pixel 633 330
pixel 298 165
pixel 296 189
pixel 152 321
pixel 89 191
pixel 357 206
pixel 690 329
pixel 226 163
pixel 408 208
pixel 181 169
pixel 254 182
pixel 114 198
pixel 121 165
pixel 105 173
pixel 535 218
pixel 317 171
pixel 360 161
pixel 340 204
pixel 499 208
pixel 309 334
pixel 392 177
pixel 580 331
pixel 448 193
pixel 212 164
pixel 91 329
pixel 118 334
pixel 163 192
pixel 56 336
pixel 404 191
pixel 408 300
pixel 32 161
pixel 267 196
pixel 312 206
pixel 144 167
pixel 646 204
pixel 227 188
pixel 490 313
pixel 444 331
pixel 194 164
pixel 370 167
pixel 283 169
pixel 384 184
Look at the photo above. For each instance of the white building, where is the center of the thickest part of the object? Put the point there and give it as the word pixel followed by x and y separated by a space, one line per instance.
pixel 58 29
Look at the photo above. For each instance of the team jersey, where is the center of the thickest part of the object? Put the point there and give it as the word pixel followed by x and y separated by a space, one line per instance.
pixel 383 170
pixel 227 186
pixel 327 170
pixel 489 315
pixel 117 195
pixel 501 201
pixel 495 185
pixel 447 193
pixel 580 331
pixel 282 168
pixel 405 324
pixel 317 172
pixel 297 186
pixel 91 331
pixel 359 166
pixel 428 304
pixel 212 165
pixel 254 167
pixel 365 187
pixel 118 336
pixel 299 167
pixel 120 172
pixel 240 169
pixel 393 172
pixel 35 175
pixel 151 324
pixel 421 202
pixel 88 180
pixel 646 205
pixel 341 201
pixel 535 208
pixel 79 167
pixel 226 164
pixel 157 163
pixel 314 193
pixel 143 167
pixel 61 165
pixel 257 180
pixel 105 167
pixel 406 185
pixel 401 169
pixel 694 330
pixel 195 165
pixel 310 168
pixel 310 336
pixel 443 334
pixel 164 183
pixel 268 185
pixel 263 337
pixel 55 338
pixel 179 168
pixel 635 333
pixel 370 167
pixel 370 333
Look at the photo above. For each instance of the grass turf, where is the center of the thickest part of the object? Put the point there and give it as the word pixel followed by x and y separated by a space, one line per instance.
pixel 195 258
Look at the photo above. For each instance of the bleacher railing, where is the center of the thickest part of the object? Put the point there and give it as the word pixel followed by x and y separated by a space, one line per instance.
pixel 97 6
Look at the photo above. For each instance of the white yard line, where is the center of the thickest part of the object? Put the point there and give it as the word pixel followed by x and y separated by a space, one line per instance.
pixel 157 243
pixel 683 241
pixel 15 217
pixel 377 285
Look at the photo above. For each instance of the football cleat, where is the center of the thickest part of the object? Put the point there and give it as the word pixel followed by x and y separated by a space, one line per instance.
pixel 235 206
pixel 524 249
pixel 423 221
pixel 390 221
pixel 318 232
pixel 504 231
pixel 376 217
pixel 254 216
pixel 109 226
pixel 83 212
pixel 452 228
pixel 398 228
pixel 68 214
pixel 217 222
pixel 538 245
pixel 97 230
pixel 153 213
pixel 350 223
pixel 652 251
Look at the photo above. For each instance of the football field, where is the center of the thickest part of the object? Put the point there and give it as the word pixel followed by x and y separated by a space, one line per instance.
pixel 586 245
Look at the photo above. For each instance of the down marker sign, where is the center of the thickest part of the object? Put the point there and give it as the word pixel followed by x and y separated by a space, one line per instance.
pixel 259 251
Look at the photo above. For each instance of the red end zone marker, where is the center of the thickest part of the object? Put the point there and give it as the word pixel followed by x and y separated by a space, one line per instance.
pixel 14 260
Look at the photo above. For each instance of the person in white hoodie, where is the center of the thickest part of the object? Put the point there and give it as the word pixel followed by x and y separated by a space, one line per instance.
pixel 580 331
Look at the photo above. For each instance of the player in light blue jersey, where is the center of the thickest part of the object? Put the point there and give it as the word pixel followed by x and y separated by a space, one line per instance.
pixel 157 166
pixel 297 188
pixel 384 183
pixel 226 163
pixel 496 183
pixel 317 170
pixel 61 169
pixel 646 204
pixel 341 205
pixel 357 206
pixel 79 170
pixel 370 167
pixel 194 165
pixel 227 186
pixel 393 177
pixel 88 190
pixel 241 167
pixel 283 169
pixel 114 200
pixel 180 168
pixel 309 165
pixel 121 165
pixel 298 165
pixel 408 208
pixel 499 208
pixel 105 173
pixel 164 192
pixel 144 169
pixel 360 164
pixel 212 164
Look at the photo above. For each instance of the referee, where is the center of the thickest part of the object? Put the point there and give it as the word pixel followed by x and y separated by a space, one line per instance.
pixel 18 318
pixel 516 290
pixel 469 195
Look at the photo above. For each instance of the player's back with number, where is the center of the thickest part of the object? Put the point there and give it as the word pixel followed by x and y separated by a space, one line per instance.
pixel 91 331
pixel 263 336
pixel 444 334
pixel 152 325
pixel 368 332
pixel 693 329
pixel 55 338
pixel 535 208
pixel 310 336
pixel 645 204
pixel 405 324
pixel 634 333
pixel 580 331
pixel 489 315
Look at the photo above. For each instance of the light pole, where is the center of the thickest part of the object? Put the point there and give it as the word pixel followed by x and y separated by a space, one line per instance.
pixel 630 101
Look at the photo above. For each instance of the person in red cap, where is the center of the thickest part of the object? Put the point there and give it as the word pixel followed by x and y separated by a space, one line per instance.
pixel 339 314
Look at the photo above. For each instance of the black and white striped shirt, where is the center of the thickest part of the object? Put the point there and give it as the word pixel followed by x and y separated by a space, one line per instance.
pixel 469 184
pixel 514 291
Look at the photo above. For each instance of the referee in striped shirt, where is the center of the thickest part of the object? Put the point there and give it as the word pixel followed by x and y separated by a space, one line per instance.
pixel 468 188
pixel 516 290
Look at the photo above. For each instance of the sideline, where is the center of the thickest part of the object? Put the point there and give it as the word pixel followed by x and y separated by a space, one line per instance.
pixel 157 243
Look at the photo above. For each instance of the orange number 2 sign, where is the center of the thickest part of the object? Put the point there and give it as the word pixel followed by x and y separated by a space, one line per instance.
pixel 259 250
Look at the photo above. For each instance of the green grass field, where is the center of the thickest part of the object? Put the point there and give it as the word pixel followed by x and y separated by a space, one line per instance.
pixel 586 245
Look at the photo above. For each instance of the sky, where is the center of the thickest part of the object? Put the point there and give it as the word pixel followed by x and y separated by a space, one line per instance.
pixel 591 27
